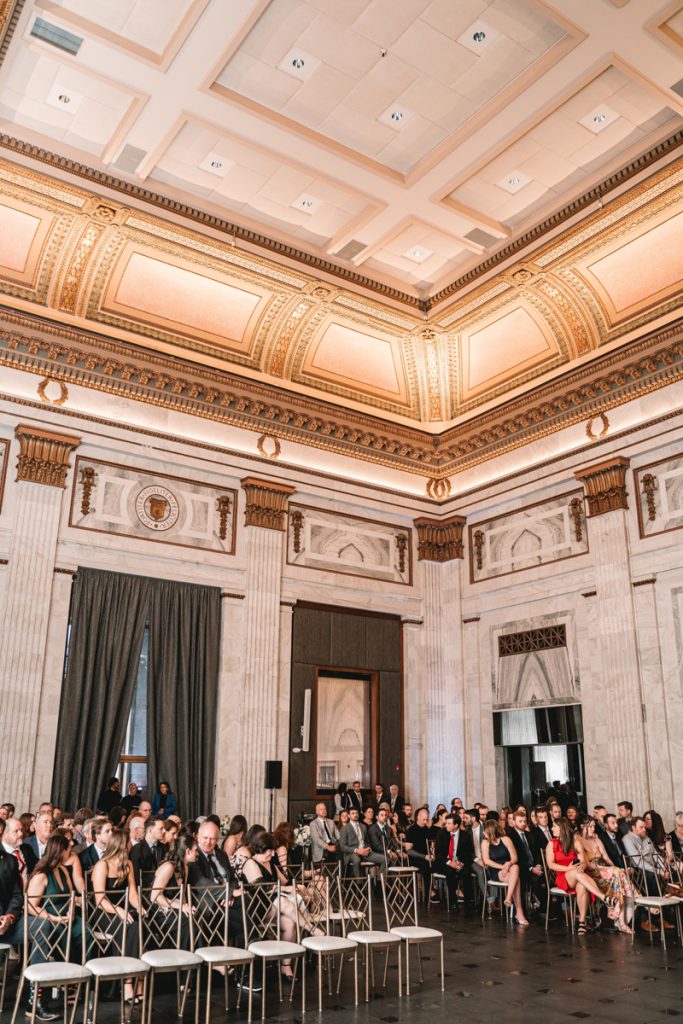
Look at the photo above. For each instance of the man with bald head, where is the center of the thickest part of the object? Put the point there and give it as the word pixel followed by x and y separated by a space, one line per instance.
pixel 212 867
pixel 34 846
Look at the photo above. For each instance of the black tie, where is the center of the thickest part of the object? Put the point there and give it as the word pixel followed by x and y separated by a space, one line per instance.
pixel 327 831
pixel 218 877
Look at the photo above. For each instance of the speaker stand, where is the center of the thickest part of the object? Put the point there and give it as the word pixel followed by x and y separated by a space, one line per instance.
pixel 270 810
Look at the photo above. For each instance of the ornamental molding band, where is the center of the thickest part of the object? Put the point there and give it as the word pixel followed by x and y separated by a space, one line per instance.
pixel 44 455
pixel 605 485
pixel 439 540
pixel 267 503
pixel 658 493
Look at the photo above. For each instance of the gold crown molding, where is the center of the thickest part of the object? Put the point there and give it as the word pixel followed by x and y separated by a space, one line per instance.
pixel 9 16
pixel 605 485
pixel 266 504
pixel 645 366
pixel 439 540
pixel 44 455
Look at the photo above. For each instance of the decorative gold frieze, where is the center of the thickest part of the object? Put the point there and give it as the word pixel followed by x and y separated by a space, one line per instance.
pixel 479 547
pixel 44 455
pixel 605 485
pixel 439 540
pixel 576 512
pixel 223 509
pixel 297 519
pixel 266 503
pixel 88 479
pixel 649 484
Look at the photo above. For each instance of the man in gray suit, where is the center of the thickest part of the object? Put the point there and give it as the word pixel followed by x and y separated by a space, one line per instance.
pixel 355 845
pixel 324 836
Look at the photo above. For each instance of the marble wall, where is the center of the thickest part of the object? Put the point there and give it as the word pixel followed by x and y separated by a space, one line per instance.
pixel 614 581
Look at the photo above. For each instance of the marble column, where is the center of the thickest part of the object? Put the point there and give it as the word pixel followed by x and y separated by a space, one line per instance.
pixel 617 696
pixel 229 707
pixel 414 728
pixel 480 769
pixel 42 469
pixel 260 707
pixel 440 550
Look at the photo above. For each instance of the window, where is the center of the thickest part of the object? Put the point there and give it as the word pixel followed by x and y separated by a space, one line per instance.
pixel 132 765
pixel 343 728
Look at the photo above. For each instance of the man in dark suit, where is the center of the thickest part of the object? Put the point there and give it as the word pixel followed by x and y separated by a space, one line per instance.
pixel 382 839
pixel 528 856
pixel 612 840
pixel 396 801
pixel 11 899
pixel 355 796
pixel 34 846
pixel 147 855
pixel 212 867
pixel 101 831
pixel 355 845
pixel 541 832
pixel 454 859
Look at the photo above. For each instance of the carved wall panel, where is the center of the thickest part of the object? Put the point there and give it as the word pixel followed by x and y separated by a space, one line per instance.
pixel 547 531
pixel 4 459
pixel 131 502
pixel 537 673
pixel 659 492
pixel 333 542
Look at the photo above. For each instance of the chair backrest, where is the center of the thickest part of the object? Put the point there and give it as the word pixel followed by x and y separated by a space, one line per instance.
pixel 642 875
pixel 261 908
pixel 399 893
pixel 210 904
pixel 328 868
pixel 162 917
pixel 355 904
pixel 52 939
pixel 106 922
pixel 548 874
pixel 296 873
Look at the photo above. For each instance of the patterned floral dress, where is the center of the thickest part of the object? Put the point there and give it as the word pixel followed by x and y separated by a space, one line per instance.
pixel 613 882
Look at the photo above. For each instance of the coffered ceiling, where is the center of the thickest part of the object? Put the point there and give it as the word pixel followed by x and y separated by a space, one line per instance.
pixel 419 211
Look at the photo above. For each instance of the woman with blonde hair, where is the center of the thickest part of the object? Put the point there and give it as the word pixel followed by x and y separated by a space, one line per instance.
pixel 499 857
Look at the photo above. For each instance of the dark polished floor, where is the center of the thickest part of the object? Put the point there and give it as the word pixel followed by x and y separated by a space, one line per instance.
pixel 495 972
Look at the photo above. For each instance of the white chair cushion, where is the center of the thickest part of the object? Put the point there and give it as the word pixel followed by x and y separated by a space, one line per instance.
pixel 415 933
pixel 116 966
pixel 224 955
pixel 437 874
pixel 556 891
pixel 404 868
pixel 170 958
pixel 657 901
pixel 273 948
pixel 498 885
pixel 54 973
pixel 374 938
pixel 327 943
pixel 353 915
pixel 4 947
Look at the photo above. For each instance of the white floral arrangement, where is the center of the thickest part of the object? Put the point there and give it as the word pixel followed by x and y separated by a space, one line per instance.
pixel 302 836
pixel 225 825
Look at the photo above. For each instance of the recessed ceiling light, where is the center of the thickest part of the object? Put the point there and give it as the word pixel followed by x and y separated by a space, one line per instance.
pixel 599 118
pixel 396 117
pixel 514 182
pixel 64 99
pixel 216 163
pixel 306 203
pixel 299 64
pixel 417 254
pixel 479 37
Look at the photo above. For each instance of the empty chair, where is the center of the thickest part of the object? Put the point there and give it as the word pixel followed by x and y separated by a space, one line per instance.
pixel 210 924
pixel 262 911
pixel 166 930
pixel 400 907
pixel 327 946
pixel 655 903
pixel 356 910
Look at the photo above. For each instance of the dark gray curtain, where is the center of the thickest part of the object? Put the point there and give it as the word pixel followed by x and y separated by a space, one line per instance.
pixel 108 615
pixel 182 685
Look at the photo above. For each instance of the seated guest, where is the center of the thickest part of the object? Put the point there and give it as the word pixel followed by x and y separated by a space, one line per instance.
pixel 35 845
pixel 417 846
pixel 369 816
pixel 113 876
pixel 612 841
pixel 28 823
pixel 646 857
pixel 528 855
pixel 213 868
pixel 343 820
pixel 676 836
pixel 356 797
pixel 109 797
pixel 173 873
pixel 541 833
pixel 11 844
pixel 406 817
pixel 599 812
pixel 135 826
pixel 396 801
pixel 379 796
pixel 454 858
pixel 324 836
pixel 500 860
pixel 438 821
pixel 625 816
pixel 132 799
pixel 571 874
pixel 50 878
pixel 236 830
pixel 118 816
pixel 382 839
pixel 146 855
pixel 6 811
pixel 355 845
pixel 101 830
pixel 171 830
pixel 657 833
pixel 555 811
pixel 612 881
pixel 470 821
pixel 342 800
pixel 573 817
pixel 144 809
pixel 164 801
pixel 11 886
pixel 287 853
pixel 82 815
pixel 243 851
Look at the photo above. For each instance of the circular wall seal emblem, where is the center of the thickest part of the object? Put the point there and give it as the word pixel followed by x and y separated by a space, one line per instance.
pixel 157 508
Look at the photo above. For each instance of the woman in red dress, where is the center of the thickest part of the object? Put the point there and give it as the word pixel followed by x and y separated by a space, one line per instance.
pixel 570 874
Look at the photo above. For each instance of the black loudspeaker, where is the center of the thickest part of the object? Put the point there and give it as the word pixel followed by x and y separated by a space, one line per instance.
pixel 537 775
pixel 273 777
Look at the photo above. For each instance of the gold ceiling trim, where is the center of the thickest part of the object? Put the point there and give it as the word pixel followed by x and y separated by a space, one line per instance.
pixel 316 263
pixel 124 370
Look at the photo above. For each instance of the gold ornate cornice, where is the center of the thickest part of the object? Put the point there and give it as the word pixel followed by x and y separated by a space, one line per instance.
pixel 44 455
pixel 267 503
pixel 605 485
pixel 439 540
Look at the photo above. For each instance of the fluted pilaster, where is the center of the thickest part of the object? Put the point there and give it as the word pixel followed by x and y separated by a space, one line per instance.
pixel 415 739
